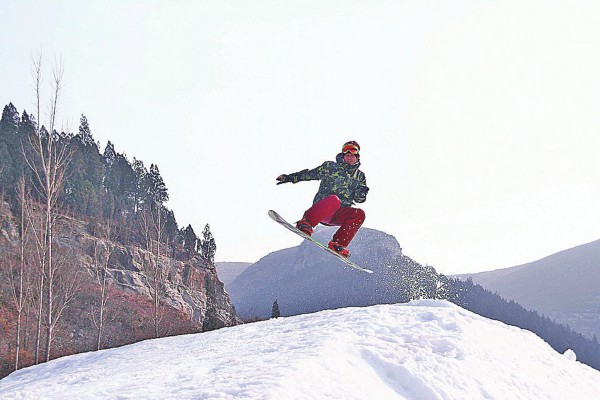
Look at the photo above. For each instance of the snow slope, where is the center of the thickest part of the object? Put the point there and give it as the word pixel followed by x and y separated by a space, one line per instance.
pixel 421 350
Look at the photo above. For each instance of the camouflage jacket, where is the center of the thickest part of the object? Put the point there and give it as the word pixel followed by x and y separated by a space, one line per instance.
pixel 345 181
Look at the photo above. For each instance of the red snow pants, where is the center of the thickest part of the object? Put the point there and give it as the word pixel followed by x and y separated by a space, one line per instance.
pixel 329 211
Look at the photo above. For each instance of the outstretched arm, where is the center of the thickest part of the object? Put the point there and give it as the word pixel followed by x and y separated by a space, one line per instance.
pixel 304 175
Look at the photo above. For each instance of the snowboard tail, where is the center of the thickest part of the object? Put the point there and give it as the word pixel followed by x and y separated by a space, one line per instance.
pixel 277 218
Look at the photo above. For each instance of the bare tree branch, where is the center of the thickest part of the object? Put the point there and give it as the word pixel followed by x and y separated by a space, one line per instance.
pixel 48 163
pixel 17 276
pixel 101 270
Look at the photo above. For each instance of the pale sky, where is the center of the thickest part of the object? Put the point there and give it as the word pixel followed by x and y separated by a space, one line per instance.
pixel 479 121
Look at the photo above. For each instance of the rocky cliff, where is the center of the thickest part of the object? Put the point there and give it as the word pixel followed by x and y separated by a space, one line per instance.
pixel 191 285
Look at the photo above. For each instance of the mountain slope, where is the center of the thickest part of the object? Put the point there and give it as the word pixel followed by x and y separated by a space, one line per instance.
pixel 564 286
pixel 421 350
pixel 306 279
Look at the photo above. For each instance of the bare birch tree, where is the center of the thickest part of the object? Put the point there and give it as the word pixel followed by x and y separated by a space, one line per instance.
pixel 158 275
pixel 151 222
pixel 103 249
pixel 48 160
pixel 65 280
pixel 17 276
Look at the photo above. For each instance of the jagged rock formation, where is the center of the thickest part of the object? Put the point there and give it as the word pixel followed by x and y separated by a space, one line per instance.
pixel 191 286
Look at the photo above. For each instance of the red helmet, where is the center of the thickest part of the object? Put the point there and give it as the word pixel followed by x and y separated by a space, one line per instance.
pixel 351 147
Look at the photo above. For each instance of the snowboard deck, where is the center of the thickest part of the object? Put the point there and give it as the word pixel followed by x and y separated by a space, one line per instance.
pixel 277 218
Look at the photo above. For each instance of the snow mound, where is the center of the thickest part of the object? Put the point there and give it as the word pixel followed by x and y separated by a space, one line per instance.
pixel 570 355
pixel 420 350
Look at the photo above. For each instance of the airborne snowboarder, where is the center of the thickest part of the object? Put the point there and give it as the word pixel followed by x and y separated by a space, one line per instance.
pixel 342 185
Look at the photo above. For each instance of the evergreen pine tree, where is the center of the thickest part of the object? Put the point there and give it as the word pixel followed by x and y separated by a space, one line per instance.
pixel 7 175
pixel 85 134
pixel 208 247
pixel 275 313
pixel 141 183
pixel 158 193
pixel 27 126
pixel 127 183
pixel 9 148
pixel 9 123
pixel 83 185
pixel 109 154
pixel 120 180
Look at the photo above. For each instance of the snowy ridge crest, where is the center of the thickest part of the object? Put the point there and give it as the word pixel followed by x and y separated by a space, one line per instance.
pixel 421 350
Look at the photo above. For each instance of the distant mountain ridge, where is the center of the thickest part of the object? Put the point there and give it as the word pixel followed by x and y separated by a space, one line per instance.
pixel 564 286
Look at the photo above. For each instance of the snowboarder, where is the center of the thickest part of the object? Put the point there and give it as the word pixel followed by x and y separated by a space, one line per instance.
pixel 342 185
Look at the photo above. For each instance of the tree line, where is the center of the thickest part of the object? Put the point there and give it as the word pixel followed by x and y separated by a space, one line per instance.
pixel 96 186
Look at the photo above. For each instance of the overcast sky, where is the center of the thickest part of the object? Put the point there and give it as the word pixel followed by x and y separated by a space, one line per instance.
pixel 479 121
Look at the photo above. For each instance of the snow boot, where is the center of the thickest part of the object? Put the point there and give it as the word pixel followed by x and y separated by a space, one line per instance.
pixel 305 226
pixel 338 248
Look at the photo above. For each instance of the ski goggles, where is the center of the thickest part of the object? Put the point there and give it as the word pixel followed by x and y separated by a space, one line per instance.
pixel 350 148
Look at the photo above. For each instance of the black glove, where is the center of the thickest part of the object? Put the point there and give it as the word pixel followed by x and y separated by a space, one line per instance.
pixel 361 194
pixel 283 179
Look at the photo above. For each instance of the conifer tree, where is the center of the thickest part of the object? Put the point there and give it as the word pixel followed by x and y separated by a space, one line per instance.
pixel 119 180
pixel 6 166
pixel 275 313
pixel 9 126
pixel 141 183
pixel 85 133
pixel 109 154
pixel 158 193
pixel 27 126
pixel 127 183
pixel 83 185
pixel 9 123
pixel 208 247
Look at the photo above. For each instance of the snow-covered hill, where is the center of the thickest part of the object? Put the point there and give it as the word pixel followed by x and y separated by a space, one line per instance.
pixel 422 350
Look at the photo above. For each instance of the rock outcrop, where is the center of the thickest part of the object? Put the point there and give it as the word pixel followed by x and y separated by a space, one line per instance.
pixel 189 284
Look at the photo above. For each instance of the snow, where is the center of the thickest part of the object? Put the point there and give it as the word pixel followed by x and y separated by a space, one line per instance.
pixel 422 350
pixel 570 355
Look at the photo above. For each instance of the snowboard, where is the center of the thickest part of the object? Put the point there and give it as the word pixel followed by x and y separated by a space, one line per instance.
pixel 277 218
